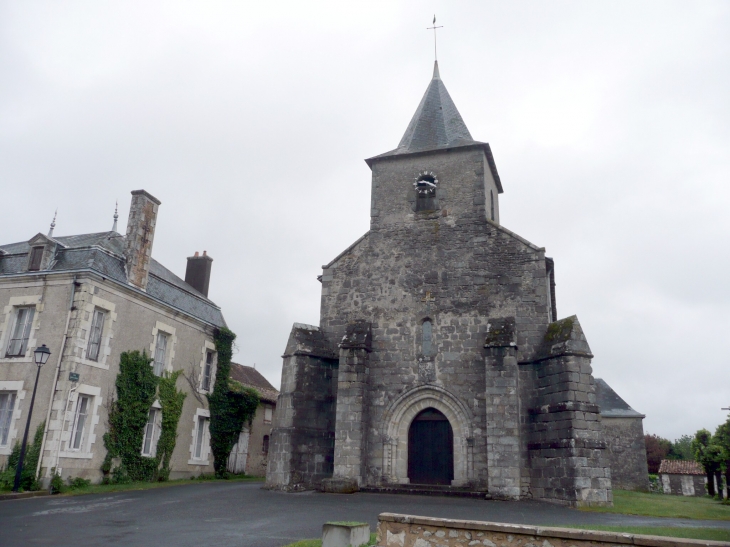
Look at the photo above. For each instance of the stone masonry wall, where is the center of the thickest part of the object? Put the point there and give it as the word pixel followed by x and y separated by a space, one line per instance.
pixel 450 266
pixel 626 452
pixel 567 451
pixel 413 531
pixel 301 446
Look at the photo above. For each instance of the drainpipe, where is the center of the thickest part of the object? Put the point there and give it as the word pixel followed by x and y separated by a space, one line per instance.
pixel 58 372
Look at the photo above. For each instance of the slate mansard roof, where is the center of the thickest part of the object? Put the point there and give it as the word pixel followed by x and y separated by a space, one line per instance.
pixel 103 253
pixel 611 405
pixel 437 125
pixel 250 377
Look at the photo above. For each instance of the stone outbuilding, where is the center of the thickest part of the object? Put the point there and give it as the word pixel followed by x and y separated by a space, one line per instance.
pixel 439 361
pixel 89 298
pixel 250 454
pixel 683 478
pixel 623 430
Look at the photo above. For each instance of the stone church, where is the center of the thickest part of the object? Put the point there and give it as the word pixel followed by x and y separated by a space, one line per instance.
pixel 439 359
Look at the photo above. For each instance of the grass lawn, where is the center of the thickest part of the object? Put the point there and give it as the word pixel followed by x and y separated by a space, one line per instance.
pixel 107 488
pixel 664 505
pixel 318 542
pixel 691 533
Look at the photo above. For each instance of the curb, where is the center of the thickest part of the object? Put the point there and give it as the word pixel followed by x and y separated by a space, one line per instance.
pixel 23 495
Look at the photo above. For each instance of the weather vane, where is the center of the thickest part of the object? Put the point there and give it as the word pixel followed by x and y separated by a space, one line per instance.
pixel 434 27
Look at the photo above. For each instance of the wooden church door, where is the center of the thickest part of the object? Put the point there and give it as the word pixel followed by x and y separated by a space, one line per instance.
pixel 430 449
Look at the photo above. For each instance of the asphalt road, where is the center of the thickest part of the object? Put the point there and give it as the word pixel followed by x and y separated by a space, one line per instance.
pixel 241 514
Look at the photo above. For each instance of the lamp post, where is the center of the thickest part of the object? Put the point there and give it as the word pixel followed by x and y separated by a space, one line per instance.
pixel 41 356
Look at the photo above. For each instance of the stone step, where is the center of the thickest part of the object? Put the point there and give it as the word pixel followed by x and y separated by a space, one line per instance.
pixel 426 490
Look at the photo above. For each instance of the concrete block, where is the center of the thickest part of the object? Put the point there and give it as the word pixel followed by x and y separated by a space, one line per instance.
pixel 345 534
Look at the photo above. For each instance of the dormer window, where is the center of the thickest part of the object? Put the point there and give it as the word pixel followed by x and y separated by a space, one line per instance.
pixel 425 186
pixel 36 256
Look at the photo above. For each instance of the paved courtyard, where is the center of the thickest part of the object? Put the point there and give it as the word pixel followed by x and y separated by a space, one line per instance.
pixel 241 514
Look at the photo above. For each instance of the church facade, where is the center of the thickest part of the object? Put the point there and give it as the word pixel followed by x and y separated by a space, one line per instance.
pixel 439 359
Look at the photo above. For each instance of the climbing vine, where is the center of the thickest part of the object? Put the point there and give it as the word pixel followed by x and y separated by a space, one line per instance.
pixel 128 414
pixel 28 479
pixel 171 401
pixel 231 404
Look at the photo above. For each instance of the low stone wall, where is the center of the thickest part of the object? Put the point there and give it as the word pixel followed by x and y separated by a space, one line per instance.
pixel 411 531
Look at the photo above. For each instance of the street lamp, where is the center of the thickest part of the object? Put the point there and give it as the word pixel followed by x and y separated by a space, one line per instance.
pixel 41 356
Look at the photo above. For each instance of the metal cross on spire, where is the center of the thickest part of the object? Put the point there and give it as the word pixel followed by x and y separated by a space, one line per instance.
pixel 434 27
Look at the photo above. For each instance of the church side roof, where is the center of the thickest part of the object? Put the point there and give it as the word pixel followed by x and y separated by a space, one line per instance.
pixel 437 125
pixel 611 405
pixel 103 252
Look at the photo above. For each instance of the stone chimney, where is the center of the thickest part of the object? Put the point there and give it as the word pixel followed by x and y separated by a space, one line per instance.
pixel 140 234
pixel 197 274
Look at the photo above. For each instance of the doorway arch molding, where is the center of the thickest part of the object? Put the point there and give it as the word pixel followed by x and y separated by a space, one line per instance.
pixel 397 421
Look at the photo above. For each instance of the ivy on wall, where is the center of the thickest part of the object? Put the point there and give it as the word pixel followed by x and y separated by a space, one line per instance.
pixel 28 479
pixel 231 404
pixel 137 388
pixel 171 401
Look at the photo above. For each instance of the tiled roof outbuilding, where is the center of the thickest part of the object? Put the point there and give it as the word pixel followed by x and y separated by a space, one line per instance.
pixel 681 467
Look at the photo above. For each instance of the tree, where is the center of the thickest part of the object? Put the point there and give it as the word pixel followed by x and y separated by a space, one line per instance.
pixel 657 449
pixel 682 449
pixel 722 438
pixel 709 455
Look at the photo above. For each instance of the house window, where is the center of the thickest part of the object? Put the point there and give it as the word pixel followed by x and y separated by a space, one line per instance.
pixel 18 343
pixel 7 404
pixel 207 368
pixel 427 335
pixel 491 198
pixel 36 255
pixel 97 325
pixel 268 414
pixel 265 445
pixel 79 424
pixel 151 435
pixel 202 427
pixel 160 352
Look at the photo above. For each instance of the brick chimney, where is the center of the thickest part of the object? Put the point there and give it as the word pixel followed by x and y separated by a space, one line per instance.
pixel 140 234
pixel 197 274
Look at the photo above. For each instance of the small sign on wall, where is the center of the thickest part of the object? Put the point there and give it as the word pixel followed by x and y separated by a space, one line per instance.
pixel 73 376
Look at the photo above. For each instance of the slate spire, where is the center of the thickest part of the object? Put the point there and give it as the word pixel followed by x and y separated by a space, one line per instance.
pixel 436 123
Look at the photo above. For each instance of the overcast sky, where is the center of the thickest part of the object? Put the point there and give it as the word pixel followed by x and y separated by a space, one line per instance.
pixel 609 123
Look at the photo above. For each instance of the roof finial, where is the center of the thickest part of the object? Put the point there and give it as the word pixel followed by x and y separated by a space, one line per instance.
pixel 435 55
pixel 116 216
pixel 53 224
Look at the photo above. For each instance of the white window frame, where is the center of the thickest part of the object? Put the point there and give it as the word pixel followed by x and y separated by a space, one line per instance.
pixel 96 332
pixel 208 347
pixel 7 407
pixel 169 349
pixel 26 326
pixel 268 413
pixel 160 358
pixel 152 431
pixel 207 370
pixel 84 403
pixel 15 387
pixel 9 313
pixel 88 440
pixel 88 303
pixel 202 416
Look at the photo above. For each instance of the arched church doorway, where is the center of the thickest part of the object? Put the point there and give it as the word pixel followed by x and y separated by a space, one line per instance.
pixel 430 449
